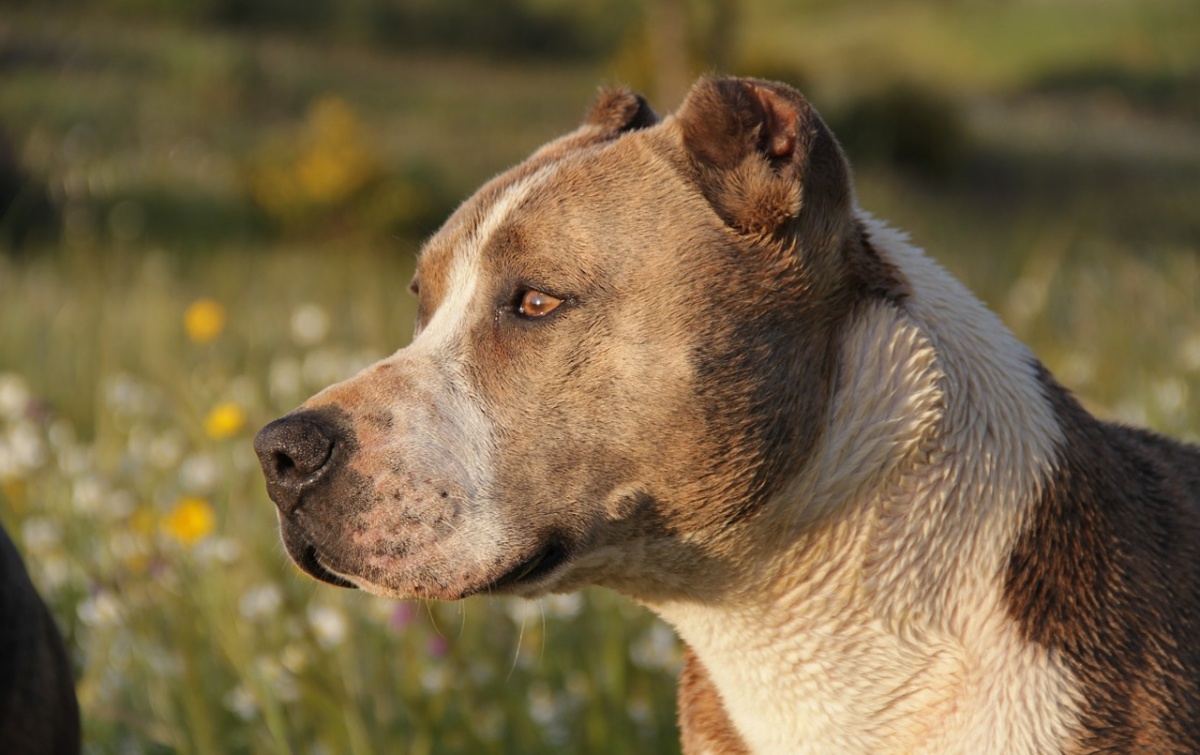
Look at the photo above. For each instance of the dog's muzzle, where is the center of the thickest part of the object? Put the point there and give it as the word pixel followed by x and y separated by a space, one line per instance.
pixel 298 454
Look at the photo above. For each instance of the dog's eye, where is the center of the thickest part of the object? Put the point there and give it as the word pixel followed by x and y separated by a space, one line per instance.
pixel 538 303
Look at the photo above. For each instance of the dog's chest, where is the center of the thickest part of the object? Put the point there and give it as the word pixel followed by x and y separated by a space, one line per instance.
pixel 838 680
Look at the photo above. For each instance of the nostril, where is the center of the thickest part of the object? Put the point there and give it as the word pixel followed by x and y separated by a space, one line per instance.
pixel 282 464
pixel 294 451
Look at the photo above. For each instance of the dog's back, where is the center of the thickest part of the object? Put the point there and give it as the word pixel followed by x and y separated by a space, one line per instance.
pixel 38 711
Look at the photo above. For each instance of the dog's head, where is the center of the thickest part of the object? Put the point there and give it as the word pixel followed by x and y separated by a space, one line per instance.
pixel 625 346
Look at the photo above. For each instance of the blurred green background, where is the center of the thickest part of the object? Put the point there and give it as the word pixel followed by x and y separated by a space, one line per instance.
pixel 209 210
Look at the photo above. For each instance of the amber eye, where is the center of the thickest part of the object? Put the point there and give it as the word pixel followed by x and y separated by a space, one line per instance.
pixel 538 303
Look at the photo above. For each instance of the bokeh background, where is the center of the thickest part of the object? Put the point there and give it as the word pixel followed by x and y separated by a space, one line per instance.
pixel 210 209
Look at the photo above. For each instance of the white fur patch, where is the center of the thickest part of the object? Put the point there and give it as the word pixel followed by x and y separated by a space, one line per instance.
pixel 449 322
pixel 881 626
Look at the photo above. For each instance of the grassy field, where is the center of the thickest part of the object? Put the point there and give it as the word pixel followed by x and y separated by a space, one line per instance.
pixel 239 215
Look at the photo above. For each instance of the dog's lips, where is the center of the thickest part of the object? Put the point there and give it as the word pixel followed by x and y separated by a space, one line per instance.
pixel 545 560
pixel 308 560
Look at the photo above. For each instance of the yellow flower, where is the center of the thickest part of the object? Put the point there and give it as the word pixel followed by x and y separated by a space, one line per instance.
pixel 224 421
pixel 204 320
pixel 190 521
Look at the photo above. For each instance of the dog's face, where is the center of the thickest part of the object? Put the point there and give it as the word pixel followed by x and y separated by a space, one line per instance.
pixel 624 348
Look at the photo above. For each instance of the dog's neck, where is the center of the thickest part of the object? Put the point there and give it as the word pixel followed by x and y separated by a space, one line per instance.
pixel 877 624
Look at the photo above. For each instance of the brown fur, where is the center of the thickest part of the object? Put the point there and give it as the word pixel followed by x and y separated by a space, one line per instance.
pixel 703 723
pixel 1116 539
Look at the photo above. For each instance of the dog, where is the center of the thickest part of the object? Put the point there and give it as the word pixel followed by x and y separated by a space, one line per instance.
pixel 671 356
pixel 39 714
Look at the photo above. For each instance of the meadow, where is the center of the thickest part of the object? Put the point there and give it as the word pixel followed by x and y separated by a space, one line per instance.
pixel 236 215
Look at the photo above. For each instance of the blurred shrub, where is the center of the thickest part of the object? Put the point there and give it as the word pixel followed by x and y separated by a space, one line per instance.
pixel 329 180
pixel 907 127
pixel 1160 91
pixel 513 28
pixel 26 211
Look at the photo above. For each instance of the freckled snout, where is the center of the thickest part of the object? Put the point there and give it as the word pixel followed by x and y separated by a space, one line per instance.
pixel 296 452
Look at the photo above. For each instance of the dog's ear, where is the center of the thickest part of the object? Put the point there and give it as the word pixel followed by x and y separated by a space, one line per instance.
pixel 767 162
pixel 618 110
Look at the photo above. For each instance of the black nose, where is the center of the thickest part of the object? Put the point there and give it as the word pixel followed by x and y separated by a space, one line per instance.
pixel 295 453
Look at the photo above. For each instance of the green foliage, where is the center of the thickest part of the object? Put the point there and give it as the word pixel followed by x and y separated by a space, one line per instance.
pixel 907 127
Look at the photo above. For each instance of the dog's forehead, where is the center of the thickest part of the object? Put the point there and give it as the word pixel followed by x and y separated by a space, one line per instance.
pixel 539 201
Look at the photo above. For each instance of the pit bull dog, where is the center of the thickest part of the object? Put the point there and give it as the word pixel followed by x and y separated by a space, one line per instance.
pixel 672 357
pixel 38 711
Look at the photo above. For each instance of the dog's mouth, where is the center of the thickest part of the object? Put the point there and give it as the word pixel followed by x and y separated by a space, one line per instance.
pixel 543 561
pixel 307 560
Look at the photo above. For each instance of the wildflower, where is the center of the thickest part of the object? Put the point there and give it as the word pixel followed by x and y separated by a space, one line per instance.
pixel 310 324
pixel 241 701
pixel 14 395
pixel 101 608
pixel 328 624
pixel 224 421
pixel 260 602
pixel 223 550
pixel 41 534
pixel 204 320
pixel 437 646
pixel 190 521
pixel 294 657
pixel 199 473
pixel 402 615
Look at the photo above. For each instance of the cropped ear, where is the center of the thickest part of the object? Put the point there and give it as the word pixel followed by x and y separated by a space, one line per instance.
pixel 614 112
pixel 767 162
pixel 617 110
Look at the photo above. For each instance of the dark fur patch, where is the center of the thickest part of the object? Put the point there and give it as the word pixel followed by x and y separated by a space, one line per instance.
pixel 1107 573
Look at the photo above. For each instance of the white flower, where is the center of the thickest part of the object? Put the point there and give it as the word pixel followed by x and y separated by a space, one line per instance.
pixel 14 396
pixel 199 473
pixel 285 381
pixel 1189 352
pixel 324 366
pixel 224 550
pixel 128 395
pixel 120 504
pixel 241 701
pixel 88 495
pixel 281 681
pixel 261 601
pixel 294 657
pixel 100 609
pixel 656 648
pixel 26 446
pixel 1171 395
pixel 310 324
pixel 40 534
pixel 166 449
pixel 328 624
pixel 565 606
pixel 523 611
